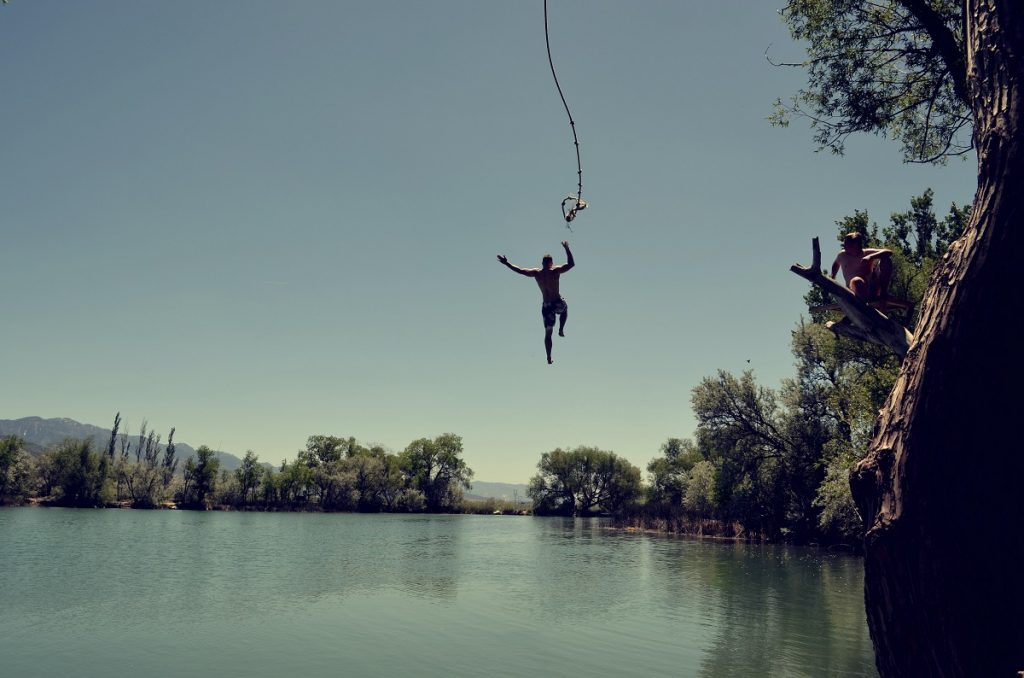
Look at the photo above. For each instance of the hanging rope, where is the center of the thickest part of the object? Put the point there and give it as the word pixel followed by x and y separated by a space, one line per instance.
pixel 578 203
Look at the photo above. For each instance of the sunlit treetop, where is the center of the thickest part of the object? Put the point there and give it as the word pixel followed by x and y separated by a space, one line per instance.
pixel 892 67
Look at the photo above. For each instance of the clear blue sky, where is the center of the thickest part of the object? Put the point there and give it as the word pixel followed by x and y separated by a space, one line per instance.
pixel 257 220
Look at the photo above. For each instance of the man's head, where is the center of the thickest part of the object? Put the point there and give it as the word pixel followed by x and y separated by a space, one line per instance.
pixel 547 262
pixel 853 241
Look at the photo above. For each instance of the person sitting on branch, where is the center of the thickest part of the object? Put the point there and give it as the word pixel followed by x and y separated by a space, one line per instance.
pixel 867 271
pixel 547 279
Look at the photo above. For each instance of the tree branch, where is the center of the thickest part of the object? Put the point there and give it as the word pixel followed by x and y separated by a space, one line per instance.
pixel 862 322
pixel 945 43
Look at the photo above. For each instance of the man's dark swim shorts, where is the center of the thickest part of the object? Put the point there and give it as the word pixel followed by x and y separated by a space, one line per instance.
pixel 550 308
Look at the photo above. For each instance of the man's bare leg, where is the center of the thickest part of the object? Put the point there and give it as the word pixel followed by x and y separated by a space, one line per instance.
pixel 547 342
pixel 561 323
pixel 882 276
pixel 860 288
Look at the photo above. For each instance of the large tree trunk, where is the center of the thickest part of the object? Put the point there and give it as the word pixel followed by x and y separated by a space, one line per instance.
pixel 942 489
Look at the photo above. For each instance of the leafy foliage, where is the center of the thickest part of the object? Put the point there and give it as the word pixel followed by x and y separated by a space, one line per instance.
pixel 435 469
pixel 583 480
pixel 76 474
pixel 248 476
pixel 700 489
pixel 893 67
pixel 16 471
pixel 200 478
pixel 147 479
pixel 670 473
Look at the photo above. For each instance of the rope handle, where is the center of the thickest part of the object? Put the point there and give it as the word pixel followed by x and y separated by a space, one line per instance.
pixel 579 206
pixel 580 203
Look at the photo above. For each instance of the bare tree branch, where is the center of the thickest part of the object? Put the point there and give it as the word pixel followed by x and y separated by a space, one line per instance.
pixel 862 322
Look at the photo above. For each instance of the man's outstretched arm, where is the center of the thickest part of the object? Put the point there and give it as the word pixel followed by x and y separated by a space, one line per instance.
pixel 569 260
pixel 528 272
pixel 878 253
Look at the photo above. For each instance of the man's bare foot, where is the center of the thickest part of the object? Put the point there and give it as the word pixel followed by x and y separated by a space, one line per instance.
pixel 561 333
pixel 550 361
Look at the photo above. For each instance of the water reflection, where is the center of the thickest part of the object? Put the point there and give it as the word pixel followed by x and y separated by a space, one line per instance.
pixel 188 565
pixel 793 611
pixel 336 555
pixel 276 594
pixel 579 574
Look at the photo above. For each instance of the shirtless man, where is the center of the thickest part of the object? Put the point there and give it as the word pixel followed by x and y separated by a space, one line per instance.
pixel 547 279
pixel 867 271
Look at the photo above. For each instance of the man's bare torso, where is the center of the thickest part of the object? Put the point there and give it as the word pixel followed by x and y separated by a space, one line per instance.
pixel 547 281
pixel 855 266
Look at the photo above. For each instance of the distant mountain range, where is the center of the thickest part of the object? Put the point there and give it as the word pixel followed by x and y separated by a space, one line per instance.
pixel 40 434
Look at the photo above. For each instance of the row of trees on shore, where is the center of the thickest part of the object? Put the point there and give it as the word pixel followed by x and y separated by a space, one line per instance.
pixel 330 474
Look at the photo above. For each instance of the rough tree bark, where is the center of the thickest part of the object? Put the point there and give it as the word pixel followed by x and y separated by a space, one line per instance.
pixel 942 488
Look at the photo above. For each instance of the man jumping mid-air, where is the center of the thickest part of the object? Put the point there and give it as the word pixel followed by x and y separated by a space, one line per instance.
pixel 547 279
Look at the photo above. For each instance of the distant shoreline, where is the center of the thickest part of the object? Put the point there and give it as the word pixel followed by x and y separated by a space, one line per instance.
pixel 469 507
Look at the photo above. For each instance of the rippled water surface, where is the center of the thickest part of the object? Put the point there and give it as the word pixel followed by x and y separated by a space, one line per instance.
pixel 111 593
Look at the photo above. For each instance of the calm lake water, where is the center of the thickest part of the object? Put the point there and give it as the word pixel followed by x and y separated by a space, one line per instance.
pixel 112 593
